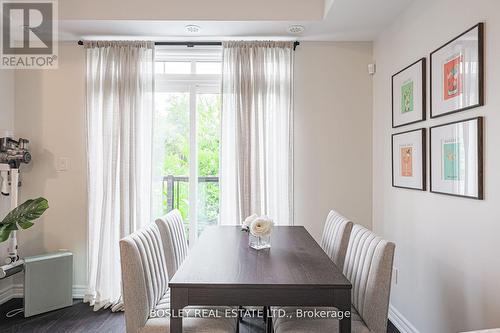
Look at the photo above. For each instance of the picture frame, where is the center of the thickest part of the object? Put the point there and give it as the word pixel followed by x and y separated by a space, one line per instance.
pixel 409 159
pixel 456 158
pixel 408 88
pixel 455 84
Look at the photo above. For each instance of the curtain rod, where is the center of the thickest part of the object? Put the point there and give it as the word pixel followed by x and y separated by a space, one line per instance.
pixel 192 44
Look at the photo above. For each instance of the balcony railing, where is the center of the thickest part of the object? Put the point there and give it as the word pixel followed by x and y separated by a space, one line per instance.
pixel 173 184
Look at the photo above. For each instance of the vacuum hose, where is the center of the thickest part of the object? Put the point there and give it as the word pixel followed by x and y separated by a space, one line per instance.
pixel 4 179
pixel 11 269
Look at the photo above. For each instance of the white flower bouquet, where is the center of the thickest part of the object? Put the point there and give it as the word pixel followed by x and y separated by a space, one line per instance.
pixel 260 228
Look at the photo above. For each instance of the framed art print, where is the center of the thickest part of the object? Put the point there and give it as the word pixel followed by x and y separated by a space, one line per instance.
pixel 408 159
pixel 457 158
pixel 457 74
pixel 408 94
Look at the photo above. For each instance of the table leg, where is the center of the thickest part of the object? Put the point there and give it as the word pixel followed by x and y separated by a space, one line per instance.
pixel 269 325
pixel 343 303
pixel 178 300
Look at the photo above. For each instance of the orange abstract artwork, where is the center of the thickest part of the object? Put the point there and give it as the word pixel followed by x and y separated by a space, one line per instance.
pixel 453 77
pixel 407 162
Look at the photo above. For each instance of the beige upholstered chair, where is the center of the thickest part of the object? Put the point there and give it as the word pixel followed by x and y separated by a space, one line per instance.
pixel 336 237
pixel 491 330
pixel 145 288
pixel 174 240
pixel 368 266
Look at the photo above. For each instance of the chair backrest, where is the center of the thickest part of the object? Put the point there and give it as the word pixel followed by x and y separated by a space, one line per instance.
pixel 336 237
pixel 174 240
pixel 144 275
pixel 368 266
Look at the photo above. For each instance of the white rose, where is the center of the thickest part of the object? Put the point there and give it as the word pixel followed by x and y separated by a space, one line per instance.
pixel 261 226
pixel 246 223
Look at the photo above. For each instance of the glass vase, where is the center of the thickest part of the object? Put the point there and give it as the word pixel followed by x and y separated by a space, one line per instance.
pixel 259 242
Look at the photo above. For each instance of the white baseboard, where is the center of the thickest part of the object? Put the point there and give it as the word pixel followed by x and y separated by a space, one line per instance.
pixel 79 291
pixel 9 292
pixel 17 291
pixel 401 323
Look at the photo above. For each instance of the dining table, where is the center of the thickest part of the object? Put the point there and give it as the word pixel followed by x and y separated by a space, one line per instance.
pixel 222 270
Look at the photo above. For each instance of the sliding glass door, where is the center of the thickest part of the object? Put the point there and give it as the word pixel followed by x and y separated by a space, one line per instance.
pixel 187 136
pixel 208 107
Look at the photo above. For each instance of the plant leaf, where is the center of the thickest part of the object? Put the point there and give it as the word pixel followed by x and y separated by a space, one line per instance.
pixel 4 232
pixel 24 214
pixel 26 224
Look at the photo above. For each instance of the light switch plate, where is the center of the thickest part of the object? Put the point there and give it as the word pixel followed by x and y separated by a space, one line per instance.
pixel 62 164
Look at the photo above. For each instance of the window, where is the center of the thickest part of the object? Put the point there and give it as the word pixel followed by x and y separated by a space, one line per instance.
pixel 208 67
pixel 187 135
pixel 172 67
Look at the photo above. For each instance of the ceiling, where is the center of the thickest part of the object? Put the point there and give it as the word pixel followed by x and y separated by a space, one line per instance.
pixel 341 20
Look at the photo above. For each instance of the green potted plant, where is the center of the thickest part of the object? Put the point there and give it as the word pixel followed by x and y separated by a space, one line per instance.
pixel 22 216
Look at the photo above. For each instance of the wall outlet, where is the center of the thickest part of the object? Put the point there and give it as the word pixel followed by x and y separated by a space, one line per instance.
pixel 395 275
pixel 62 164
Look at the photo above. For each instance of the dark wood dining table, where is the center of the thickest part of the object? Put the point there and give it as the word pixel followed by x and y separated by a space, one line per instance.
pixel 222 270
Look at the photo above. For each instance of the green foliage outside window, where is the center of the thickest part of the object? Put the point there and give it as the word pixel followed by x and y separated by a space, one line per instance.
pixel 172 122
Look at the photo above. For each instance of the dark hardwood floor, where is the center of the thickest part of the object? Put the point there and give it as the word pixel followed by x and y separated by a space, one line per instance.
pixel 81 318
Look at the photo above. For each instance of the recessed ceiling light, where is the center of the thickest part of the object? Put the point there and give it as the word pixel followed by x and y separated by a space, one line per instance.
pixel 296 29
pixel 192 28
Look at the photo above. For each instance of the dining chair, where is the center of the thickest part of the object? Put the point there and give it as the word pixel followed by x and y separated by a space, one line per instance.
pixel 491 330
pixel 171 228
pixel 335 237
pixel 368 265
pixel 334 242
pixel 174 240
pixel 146 294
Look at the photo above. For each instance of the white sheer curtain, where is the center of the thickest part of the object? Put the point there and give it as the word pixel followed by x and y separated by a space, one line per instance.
pixel 119 124
pixel 256 149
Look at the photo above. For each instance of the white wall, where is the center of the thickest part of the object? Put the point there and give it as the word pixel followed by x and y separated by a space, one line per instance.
pixel 446 247
pixel 6 101
pixel 333 133
pixel 6 128
pixel 50 108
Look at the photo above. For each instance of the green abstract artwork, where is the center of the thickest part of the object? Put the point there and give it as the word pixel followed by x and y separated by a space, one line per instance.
pixel 451 161
pixel 407 97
